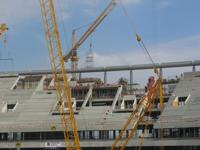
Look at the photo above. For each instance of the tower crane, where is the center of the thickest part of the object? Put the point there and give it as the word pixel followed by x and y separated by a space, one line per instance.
pixel 137 115
pixel 60 77
pixel 72 54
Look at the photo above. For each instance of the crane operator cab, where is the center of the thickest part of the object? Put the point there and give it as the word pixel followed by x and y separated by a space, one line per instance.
pixel 149 87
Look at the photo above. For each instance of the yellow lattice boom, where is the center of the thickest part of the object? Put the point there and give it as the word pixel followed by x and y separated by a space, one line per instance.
pixel 136 117
pixel 63 92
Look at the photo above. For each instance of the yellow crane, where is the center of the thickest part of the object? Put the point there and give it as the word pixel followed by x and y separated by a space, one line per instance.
pixel 60 77
pixel 137 115
pixel 72 54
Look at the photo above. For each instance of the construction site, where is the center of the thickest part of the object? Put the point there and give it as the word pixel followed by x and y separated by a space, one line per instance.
pixel 62 108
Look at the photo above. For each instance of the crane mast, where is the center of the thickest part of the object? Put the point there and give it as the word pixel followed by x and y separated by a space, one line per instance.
pixel 136 116
pixel 60 77
pixel 94 25
pixel 74 57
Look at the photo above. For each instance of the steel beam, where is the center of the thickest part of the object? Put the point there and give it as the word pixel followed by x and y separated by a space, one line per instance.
pixel 118 68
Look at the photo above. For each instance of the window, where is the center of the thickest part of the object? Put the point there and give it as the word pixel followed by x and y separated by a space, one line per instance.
pixel 81 135
pixel 192 132
pixel 95 135
pixel 9 107
pixel 198 132
pixel 187 131
pixel 27 82
pixel 10 136
pixel 139 133
pixel 17 136
pixel 87 135
pixel 181 134
pixel 116 133
pixel 175 132
pixel 34 136
pixel 111 135
pixel 104 134
pixel 180 101
pixel 155 133
pixel 3 136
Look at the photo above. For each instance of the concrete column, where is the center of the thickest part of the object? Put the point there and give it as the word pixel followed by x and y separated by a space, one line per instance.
pixel 105 77
pixel 131 81
pixel 161 72
pixel 80 76
pixel 131 77
pixel 194 69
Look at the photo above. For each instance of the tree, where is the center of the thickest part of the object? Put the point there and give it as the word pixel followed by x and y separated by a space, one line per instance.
pixel 124 82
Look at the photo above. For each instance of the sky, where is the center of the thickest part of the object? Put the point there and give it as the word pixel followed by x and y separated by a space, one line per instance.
pixel 170 30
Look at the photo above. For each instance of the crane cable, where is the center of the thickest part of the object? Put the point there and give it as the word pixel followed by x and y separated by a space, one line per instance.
pixel 138 38
pixel 61 11
pixel 143 46
pixel 82 26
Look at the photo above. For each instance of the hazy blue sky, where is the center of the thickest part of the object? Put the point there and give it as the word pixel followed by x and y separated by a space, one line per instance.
pixel 170 29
